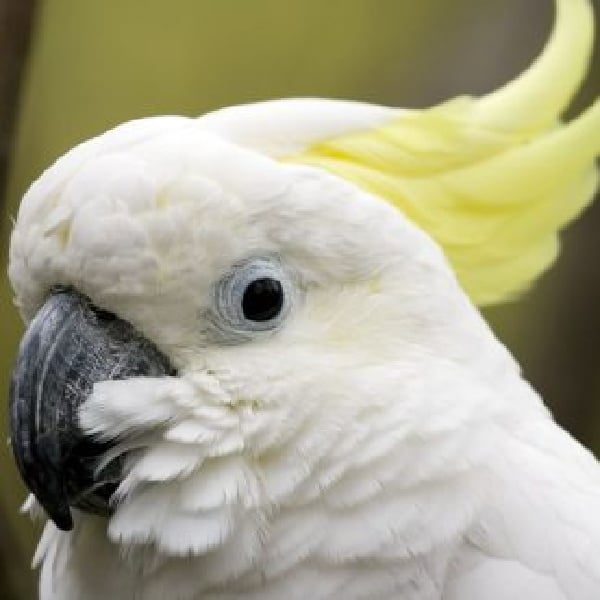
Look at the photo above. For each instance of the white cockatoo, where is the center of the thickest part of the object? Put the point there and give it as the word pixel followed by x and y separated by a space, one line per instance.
pixel 254 367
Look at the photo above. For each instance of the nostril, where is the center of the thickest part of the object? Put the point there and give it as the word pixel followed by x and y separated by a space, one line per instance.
pixel 103 315
pixel 100 313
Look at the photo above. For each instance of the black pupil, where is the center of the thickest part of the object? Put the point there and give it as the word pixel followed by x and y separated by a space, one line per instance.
pixel 263 299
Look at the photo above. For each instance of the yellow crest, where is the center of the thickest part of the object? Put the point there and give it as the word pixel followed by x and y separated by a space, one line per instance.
pixel 492 179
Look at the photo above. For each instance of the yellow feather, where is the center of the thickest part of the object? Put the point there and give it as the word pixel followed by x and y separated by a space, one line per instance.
pixel 494 179
pixel 534 100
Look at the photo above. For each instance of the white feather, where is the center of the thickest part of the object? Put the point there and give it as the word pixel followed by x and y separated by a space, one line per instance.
pixel 380 444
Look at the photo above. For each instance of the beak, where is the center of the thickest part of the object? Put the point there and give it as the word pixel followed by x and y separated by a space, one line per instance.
pixel 69 346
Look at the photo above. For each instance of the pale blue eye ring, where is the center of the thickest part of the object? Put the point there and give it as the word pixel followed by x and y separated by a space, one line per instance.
pixel 253 297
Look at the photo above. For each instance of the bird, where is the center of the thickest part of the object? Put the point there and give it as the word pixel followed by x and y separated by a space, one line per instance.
pixel 255 366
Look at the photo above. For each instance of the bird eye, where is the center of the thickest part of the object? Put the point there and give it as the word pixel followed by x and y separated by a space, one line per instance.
pixel 262 299
pixel 255 296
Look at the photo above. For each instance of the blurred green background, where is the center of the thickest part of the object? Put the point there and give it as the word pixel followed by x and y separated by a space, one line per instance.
pixel 71 69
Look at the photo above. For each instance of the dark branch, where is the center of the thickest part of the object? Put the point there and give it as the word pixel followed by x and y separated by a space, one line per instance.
pixel 16 19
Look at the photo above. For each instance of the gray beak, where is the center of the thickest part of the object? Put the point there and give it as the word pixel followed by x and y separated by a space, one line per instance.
pixel 69 346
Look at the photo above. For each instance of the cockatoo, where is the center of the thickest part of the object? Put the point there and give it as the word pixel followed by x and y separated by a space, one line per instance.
pixel 254 366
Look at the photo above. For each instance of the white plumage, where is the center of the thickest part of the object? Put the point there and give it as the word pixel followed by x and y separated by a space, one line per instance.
pixel 379 443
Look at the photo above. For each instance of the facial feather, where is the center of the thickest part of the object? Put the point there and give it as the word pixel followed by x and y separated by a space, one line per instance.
pixel 302 421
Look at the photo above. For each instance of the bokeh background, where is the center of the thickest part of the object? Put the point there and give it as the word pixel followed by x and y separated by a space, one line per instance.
pixel 71 69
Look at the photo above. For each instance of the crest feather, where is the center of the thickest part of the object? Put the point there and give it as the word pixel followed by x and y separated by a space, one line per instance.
pixel 493 179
